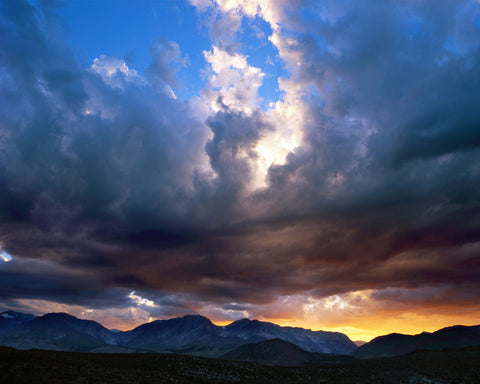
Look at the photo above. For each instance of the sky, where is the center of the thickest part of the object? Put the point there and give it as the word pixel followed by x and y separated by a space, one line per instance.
pixel 309 163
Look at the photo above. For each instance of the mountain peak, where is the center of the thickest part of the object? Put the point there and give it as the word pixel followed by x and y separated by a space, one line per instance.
pixel 243 323
pixel 187 321
pixel 58 315
pixel 239 323
pixel 193 319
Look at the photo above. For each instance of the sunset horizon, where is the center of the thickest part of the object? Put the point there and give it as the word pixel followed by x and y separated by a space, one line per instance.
pixel 354 333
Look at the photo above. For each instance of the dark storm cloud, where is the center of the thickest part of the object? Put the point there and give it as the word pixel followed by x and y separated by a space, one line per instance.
pixel 33 279
pixel 389 160
pixel 85 157
pixel 100 174
pixel 411 70
pixel 76 147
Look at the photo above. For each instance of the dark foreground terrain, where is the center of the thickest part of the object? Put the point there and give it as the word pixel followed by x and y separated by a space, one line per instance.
pixel 35 366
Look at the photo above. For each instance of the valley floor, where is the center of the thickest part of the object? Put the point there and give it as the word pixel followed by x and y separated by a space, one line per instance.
pixel 35 366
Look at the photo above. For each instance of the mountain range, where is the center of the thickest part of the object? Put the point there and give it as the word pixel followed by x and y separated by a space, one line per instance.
pixel 248 340
pixel 191 334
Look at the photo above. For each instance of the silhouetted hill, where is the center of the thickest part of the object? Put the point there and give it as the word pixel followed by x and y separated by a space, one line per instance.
pixel 397 344
pixel 278 352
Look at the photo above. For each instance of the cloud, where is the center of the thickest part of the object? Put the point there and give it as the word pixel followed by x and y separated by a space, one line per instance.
pixel 233 83
pixel 5 257
pixel 114 71
pixel 385 105
pixel 361 177
pixel 166 61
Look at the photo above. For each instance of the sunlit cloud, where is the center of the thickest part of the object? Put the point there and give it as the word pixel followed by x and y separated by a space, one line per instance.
pixel 234 83
pixel 114 70
pixel 4 255
pixel 225 314
pixel 140 301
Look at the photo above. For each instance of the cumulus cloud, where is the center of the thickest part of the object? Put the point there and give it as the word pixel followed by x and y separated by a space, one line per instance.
pixel 113 70
pixel 233 83
pixel 361 177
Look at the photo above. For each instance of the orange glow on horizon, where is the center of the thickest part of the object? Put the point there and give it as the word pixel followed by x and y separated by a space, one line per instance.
pixel 361 327
pixel 357 325
pixel 364 330
pixel 367 328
